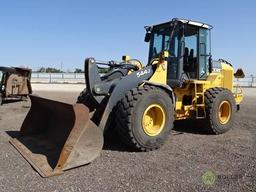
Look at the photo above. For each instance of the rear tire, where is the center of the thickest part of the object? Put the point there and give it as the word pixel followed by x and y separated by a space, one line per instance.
pixel 144 118
pixel 219 108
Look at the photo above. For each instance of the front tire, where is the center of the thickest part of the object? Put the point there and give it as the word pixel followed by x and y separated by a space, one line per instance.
pixel 144 118
pixel 220 108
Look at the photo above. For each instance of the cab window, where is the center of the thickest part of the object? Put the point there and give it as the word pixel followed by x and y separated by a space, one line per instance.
pixel 161 41
pixel 204 49
pixel 190 60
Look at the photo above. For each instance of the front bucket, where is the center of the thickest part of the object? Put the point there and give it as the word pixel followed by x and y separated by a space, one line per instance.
pixel 57 136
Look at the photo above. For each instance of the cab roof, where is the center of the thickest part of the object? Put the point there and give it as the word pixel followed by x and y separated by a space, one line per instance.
pixel 185 21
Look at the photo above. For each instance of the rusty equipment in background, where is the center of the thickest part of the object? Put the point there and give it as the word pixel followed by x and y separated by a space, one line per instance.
pixel 15 83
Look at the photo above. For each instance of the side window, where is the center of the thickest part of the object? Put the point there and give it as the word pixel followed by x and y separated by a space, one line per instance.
pixel 191 44
pixel 161 42
pixel 204 42
pixel 158 41
pixel 173 57
pixel 190 59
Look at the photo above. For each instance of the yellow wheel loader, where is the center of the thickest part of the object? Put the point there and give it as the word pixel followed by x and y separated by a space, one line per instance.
pixel 180 81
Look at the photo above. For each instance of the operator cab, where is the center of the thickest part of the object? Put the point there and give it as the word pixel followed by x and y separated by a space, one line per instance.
pixel 188 43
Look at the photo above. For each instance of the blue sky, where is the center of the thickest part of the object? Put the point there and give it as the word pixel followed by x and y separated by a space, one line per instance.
pixel 37 33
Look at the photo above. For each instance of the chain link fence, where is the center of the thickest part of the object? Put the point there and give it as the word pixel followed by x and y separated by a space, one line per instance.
pixel 246 82
pixel 57 78
pixel 79 78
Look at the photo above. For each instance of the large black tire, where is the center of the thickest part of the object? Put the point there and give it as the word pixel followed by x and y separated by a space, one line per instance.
pixel 218 118
pixel 129 115
pixel 85 99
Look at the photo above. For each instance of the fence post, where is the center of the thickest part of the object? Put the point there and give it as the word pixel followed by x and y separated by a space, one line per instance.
pixel 50 78
pixel 251 80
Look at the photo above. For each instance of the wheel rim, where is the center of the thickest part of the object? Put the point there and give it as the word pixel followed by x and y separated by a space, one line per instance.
pixel 224 112
pixel 153 120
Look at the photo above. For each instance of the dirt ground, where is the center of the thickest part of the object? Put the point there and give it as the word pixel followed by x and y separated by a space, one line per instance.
pixel 177 166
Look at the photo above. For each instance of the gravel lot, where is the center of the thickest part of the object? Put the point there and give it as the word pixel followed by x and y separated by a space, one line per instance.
pixel 177 166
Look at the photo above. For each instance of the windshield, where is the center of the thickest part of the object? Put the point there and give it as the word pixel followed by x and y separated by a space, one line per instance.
pixel 166 38
pixel 160 40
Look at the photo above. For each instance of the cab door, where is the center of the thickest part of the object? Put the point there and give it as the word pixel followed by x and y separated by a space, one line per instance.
pixel 190 56
pixel 204 53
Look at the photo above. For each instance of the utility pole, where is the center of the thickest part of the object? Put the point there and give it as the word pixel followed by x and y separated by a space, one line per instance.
pixel 61 69
pixel 61 66
pixel 252 80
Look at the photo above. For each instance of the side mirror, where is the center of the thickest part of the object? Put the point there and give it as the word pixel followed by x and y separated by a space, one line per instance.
pixel 147 37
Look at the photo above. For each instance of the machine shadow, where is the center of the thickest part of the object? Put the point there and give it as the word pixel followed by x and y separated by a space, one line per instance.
pixel 7 101
pixel 13 134
pixel 190 126
pixel 113 143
